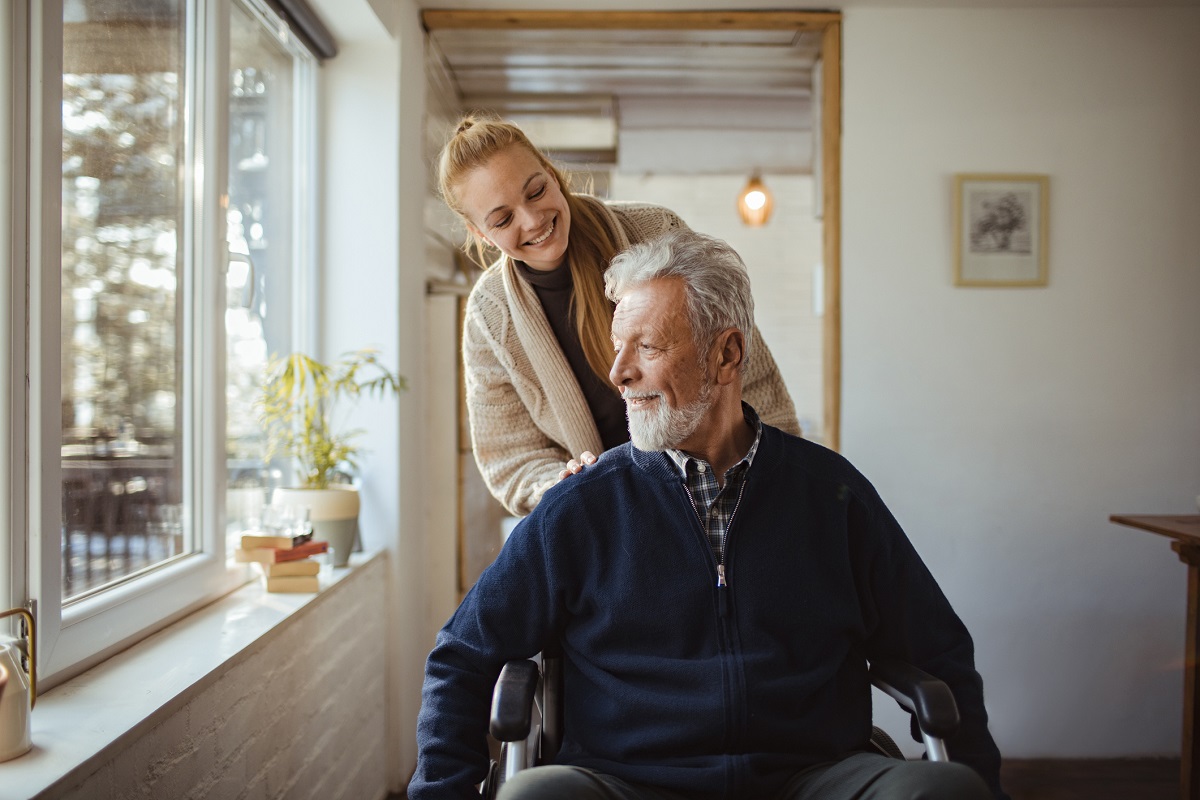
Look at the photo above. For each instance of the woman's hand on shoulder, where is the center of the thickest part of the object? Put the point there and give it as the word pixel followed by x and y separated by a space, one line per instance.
pixel 576 465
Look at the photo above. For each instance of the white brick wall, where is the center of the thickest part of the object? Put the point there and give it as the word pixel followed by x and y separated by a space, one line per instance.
pixel 299 715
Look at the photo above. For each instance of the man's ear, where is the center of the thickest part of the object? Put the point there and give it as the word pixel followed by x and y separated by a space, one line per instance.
pixel 730 350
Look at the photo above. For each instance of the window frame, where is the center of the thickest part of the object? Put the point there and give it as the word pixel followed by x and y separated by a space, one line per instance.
pixel 14 27
pixel 75 634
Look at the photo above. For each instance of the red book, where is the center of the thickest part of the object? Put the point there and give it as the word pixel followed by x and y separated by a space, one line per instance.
pixel 274 555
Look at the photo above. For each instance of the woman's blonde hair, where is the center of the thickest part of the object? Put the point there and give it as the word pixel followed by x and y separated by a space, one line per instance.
pixel 590 244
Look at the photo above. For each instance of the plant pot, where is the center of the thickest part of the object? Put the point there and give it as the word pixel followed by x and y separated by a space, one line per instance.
pixel 333 512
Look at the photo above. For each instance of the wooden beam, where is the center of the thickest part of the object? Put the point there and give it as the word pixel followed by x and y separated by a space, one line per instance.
pixel 831 195
pixel 443 19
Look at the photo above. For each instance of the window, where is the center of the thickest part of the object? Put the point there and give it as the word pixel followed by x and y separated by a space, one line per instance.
pixel 124 279
pixel 265 295
pixel 171 280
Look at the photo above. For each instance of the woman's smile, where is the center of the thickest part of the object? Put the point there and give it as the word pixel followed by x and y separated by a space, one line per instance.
pixel 543 237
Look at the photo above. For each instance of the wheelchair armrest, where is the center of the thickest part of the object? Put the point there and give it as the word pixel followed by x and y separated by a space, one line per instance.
pixel 928 699
pixel 512 701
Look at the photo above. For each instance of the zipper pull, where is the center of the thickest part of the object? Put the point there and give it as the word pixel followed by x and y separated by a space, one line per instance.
pixel 722 591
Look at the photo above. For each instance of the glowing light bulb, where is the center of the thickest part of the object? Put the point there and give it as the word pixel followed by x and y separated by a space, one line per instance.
pixel 756 200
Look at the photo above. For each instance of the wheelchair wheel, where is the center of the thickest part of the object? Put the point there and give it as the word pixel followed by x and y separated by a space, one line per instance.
pixel 884 744
pixel 491 784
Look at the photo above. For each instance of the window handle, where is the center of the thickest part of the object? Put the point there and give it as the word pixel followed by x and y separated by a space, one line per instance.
pixel 241 278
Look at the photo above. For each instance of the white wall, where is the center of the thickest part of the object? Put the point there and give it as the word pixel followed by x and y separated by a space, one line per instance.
pixel 373 293
pixel 1005 425
pixel 359 251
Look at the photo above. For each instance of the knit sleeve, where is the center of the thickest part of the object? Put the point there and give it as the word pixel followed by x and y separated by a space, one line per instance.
pixel 517 460
pixel 507 615
pixel 764 390
pixel 910 619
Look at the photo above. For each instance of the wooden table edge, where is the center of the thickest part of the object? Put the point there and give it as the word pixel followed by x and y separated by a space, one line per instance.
pixel 1184 527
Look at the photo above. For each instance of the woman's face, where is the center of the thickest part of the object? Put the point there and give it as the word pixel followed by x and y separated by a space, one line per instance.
pixel 517 205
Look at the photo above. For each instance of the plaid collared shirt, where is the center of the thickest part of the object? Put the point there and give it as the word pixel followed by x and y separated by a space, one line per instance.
pixel 714 503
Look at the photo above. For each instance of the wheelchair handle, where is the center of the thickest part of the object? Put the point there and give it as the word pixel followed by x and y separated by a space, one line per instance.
pixel 928 699
pixel 512 701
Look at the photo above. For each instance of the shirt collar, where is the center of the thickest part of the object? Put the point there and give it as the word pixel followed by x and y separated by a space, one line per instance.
pixel 681 458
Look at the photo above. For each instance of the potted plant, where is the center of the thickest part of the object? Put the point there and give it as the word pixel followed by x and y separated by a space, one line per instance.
pixel 297 410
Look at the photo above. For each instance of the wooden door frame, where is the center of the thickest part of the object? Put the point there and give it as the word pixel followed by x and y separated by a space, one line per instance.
pixel 829 24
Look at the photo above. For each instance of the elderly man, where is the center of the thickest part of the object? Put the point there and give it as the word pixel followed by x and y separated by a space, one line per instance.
pixel 717 588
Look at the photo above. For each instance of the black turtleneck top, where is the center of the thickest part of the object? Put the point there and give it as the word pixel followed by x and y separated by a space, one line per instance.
pixel 553 289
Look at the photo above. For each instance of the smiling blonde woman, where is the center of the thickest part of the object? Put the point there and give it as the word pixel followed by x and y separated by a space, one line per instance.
pixel 536 340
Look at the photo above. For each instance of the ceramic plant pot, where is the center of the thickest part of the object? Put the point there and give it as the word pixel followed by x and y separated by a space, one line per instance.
pixel 333 512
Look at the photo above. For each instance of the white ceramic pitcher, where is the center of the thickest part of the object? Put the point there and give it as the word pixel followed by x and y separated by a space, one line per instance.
pixel 16 703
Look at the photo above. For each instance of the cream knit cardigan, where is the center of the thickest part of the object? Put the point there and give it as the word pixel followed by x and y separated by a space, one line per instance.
pixel 528 415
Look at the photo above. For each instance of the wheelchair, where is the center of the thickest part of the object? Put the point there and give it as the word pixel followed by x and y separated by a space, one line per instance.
pixel 527 714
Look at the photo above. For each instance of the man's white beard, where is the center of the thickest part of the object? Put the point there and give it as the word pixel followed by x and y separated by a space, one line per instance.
pixel 666 428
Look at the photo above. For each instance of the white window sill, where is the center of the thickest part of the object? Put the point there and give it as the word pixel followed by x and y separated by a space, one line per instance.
pixel 81 723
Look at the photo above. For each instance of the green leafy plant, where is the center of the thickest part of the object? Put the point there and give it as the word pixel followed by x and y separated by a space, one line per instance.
pixel 297 405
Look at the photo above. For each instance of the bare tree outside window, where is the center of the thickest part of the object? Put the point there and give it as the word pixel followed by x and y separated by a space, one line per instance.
pixel 127 279
pixel 121 276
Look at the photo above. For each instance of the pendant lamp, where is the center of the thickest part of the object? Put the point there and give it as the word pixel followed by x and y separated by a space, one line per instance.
pixel 754 204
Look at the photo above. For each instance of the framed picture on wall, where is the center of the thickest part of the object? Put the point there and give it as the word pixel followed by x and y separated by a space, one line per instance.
pixel 1001 227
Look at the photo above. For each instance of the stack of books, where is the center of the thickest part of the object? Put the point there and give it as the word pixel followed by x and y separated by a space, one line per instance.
pixel 286 561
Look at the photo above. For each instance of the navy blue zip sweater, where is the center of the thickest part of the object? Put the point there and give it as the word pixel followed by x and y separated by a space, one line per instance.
pixel 670 680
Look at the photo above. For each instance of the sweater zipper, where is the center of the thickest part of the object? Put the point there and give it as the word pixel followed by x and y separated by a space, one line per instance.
pixel 722 583
pixel 723 603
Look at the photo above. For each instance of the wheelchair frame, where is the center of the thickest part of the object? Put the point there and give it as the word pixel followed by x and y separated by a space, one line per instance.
pixel 525 687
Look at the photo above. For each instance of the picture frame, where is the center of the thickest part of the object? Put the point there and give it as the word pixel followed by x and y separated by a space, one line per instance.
pixel 1001 229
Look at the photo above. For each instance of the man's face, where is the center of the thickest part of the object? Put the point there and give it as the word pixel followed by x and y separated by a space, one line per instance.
pixel 663 378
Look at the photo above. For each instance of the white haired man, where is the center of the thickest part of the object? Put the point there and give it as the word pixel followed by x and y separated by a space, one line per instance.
pixel 717 588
